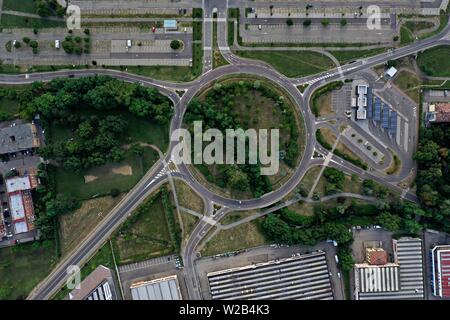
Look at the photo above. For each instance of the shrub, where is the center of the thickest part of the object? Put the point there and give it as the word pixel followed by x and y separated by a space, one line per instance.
pixel 175 44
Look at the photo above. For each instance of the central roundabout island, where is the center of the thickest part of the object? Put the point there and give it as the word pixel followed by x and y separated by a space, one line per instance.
pixel 247 102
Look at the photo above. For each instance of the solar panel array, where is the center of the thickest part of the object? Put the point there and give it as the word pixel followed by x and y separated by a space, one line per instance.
pixel 369 103
pixel 393 123
pixel 380 112
pixel 301 277
pixel 377 114
pixel 385 118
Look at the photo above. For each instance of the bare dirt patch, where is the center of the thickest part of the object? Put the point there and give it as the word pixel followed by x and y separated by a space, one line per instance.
pixel 125 170
pixel 89 178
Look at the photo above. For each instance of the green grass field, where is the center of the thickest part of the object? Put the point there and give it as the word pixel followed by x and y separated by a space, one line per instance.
pixel 9 106
pixel 410 84
pixel 23 267
pixel 11 21
pixel 415 26
pixel 406 36
pixel 435 62
pixel 74 183
pixel 347 56
pixel 246 235
pixel 145 234
pixel 169 73
pixel 292 63
pixel 27 6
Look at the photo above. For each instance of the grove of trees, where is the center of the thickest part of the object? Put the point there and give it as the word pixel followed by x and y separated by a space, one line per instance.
pixel 218 110
pixel 93 108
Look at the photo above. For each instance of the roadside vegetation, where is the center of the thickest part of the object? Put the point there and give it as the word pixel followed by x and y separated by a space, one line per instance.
pixel 326 138
pixel 292 63
pixel 244 236
pixel 347 56
pixel 150 231
pixel 434 62
pixel 323 91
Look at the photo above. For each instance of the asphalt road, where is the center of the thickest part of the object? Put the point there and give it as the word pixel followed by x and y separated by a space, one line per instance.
pixel 152 180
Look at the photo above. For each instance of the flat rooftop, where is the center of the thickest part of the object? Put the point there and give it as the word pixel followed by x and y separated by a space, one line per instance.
pixel 18 137
pixel 18 184
pixel 300 277
pixel 159 289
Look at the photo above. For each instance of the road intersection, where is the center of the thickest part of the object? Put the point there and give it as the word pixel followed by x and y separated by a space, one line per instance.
pixel 154 179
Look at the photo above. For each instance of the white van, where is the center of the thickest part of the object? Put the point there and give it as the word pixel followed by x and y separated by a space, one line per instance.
pixel 128 44
pixel 57 44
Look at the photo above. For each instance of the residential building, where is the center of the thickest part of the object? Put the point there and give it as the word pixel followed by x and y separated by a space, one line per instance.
pixel 439 112
pixel 21 202
pixel 18 138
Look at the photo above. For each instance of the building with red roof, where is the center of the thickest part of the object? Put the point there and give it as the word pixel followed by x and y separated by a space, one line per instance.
pixel 440 280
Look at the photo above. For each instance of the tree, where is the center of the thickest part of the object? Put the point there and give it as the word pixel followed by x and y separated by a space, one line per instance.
pixel 289 22
pixel 115 193
pixel 276 229
pixel 325 22
pixel 389 221
pixel 43 8
pixel 34 44
pixel 427 152
pixel 61 204
pixel 17 45
pixel 87 31
pixel 343 22
pixel 175 44
pixel 307 23
pixel 26 40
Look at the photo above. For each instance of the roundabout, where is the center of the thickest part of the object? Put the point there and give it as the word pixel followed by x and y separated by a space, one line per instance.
pixel 218 205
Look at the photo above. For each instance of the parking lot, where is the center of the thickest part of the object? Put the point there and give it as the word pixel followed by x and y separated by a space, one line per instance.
pixel 149 270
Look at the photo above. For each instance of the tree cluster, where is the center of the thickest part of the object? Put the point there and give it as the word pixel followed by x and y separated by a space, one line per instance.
pixel 87 105
pixel 218 111
pixel 433 178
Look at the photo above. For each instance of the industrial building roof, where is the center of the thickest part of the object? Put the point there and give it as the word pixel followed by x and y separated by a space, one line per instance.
pixel 159 289
pixel 441 271
pixel 300 277
pixel 408 255
pixel 372 278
